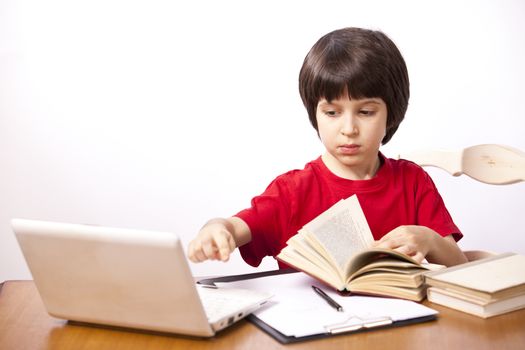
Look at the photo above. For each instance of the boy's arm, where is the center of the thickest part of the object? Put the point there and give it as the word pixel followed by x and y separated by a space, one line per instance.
pixel 422 242
pixel 218 238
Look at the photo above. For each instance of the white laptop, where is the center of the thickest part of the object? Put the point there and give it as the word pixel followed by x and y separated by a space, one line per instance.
pixel 126 278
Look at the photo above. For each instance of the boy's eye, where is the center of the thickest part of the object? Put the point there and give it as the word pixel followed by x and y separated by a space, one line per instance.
pixel 366 112
pixel 330 113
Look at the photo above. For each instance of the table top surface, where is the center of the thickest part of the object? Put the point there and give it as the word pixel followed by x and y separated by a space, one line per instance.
pixel 25 324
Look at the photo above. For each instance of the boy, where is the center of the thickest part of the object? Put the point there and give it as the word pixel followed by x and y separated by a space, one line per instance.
pixel 354 85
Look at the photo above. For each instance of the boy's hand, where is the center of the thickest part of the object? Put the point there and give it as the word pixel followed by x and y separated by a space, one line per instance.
pixel 414 241
pixel 213 242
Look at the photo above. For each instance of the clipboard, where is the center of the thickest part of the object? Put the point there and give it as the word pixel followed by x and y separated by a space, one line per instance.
pixel 351 324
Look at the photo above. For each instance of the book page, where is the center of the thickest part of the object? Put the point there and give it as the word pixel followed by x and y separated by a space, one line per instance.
pixel 342 230
pixel 299 244
pixel 300 262
pixel 368 256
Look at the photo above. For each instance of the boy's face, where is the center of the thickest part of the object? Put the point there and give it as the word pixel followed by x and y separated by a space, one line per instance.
pixel 351 131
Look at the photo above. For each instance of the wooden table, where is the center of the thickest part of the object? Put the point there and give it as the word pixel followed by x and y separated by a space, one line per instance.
pixel 25 324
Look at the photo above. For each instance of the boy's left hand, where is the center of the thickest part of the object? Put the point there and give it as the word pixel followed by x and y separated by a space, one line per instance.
pixel 414 241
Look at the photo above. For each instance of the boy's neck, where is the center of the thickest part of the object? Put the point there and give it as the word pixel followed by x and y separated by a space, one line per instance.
pixel 364 171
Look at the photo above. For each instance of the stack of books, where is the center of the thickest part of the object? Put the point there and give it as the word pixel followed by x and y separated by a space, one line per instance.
pixel 485 288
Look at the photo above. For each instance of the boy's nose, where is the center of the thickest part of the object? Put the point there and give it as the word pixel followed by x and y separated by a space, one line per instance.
pixel 349 127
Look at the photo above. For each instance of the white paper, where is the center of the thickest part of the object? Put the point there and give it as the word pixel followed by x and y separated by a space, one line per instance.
pixel 296 310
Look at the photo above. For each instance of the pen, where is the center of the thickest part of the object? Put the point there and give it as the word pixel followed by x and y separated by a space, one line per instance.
pixel 329 300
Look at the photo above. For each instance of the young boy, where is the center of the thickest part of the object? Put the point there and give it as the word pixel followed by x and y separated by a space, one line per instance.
pixel 354 85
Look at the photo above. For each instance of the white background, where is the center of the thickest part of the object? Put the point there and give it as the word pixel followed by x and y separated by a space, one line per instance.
pixel 162 114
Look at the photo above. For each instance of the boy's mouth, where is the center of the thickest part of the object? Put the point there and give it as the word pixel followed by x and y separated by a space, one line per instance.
pixel 349 148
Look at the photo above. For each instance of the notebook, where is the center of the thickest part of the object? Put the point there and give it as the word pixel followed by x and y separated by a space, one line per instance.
pixel 126 278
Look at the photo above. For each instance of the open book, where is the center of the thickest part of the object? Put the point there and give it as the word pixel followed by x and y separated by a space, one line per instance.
pixel 335 248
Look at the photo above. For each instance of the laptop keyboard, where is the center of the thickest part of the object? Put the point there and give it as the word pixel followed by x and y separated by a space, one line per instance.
pixel 222 302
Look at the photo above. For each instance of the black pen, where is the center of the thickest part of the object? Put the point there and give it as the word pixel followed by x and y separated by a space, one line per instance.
pixel 329 300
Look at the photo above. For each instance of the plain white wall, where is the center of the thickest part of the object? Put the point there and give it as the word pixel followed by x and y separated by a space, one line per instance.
pixel 162 114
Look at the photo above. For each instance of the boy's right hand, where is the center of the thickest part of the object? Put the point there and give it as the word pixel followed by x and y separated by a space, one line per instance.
pixel 213 242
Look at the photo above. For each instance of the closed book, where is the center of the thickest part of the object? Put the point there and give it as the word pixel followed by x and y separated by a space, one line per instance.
pixel 475 306
pixel 490 279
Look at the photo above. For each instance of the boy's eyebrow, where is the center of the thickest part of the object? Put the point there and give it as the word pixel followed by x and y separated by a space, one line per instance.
pixel 373 100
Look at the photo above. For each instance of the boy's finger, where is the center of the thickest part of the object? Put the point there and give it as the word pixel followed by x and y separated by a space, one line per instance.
pixel 232 243
pixel 209 249
pixel 404 249
pixel 192 252
pixel 223 244
pixel 225 253
pixel 388 244
pixel 198 256
pixel 225 249
pixel 418 257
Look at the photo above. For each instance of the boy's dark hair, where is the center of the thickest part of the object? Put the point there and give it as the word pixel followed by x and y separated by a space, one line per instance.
pixel 361 62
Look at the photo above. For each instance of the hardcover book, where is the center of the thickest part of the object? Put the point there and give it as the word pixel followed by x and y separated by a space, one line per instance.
pixel 485 287
pixel 335 248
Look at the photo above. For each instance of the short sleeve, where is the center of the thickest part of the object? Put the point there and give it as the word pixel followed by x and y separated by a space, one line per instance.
pixel 268 216
pixel 431 209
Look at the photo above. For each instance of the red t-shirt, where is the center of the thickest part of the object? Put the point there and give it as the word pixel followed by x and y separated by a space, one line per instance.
pixel 401 193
